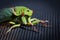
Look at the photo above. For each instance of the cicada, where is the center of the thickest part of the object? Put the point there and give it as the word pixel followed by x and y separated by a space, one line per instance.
pixel 19 15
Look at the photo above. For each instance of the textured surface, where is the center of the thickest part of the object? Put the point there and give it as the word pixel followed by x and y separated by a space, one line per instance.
pixel 41 11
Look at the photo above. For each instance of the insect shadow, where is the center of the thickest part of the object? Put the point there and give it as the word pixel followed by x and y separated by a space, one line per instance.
pixel 24 27
pixel 30 28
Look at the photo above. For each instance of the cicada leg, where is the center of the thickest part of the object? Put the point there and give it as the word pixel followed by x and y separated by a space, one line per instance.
pixel 12 22
pixel 35 21
pixel 14 26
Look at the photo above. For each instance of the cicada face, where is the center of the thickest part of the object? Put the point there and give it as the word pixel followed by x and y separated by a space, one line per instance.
pixel 28 12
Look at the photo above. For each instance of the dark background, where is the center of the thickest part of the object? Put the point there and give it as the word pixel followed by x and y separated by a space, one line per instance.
pixel 48 9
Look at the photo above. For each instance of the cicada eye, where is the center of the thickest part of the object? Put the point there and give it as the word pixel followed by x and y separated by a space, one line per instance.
pixel 27 10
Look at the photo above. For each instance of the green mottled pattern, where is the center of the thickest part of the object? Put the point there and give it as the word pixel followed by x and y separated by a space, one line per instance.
pixel 25 10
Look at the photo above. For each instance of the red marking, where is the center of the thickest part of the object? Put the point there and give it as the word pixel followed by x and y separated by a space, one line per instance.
pixel 22 13
pixel 44 24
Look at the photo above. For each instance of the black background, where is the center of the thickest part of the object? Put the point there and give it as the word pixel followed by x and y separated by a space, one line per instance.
pixel 48 9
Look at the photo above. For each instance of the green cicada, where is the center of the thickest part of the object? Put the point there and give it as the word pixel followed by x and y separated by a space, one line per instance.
pixel 18 15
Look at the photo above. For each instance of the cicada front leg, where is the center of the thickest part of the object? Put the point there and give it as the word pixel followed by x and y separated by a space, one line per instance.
pixel 35 21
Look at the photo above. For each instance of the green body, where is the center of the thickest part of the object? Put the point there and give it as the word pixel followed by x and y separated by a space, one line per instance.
pixel 18 15
pixel 8 14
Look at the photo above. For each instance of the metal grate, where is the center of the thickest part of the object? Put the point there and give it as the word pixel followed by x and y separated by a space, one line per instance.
pixel 45 33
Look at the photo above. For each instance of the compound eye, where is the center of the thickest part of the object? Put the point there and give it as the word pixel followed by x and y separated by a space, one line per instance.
pixel 27 10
